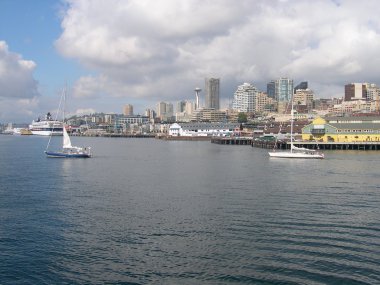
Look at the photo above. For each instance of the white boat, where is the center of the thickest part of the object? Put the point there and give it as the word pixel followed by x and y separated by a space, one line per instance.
pixel 47 127
pixel 296 152
pixel 68 150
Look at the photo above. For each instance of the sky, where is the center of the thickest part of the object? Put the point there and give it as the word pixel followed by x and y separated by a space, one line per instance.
pixel 140 52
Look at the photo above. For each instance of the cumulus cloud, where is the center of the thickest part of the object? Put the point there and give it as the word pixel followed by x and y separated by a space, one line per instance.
pixel 16 75
pixel 162 49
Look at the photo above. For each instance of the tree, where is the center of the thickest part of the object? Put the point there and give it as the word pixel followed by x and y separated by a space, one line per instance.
pixel 242 117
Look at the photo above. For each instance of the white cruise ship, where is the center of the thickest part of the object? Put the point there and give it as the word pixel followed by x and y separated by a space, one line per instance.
pixel 46 127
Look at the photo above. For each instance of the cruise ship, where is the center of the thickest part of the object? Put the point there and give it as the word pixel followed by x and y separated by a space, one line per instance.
pixel 46 127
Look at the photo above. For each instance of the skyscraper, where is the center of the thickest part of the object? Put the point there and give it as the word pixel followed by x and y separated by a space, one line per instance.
pixel 271 89
pixel 212 93
pixel 283 89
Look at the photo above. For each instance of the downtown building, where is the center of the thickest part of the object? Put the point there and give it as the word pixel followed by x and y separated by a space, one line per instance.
pixel 245 98
pixel 165 111
pixel 128 110
pixel 280 89
pixel 212 86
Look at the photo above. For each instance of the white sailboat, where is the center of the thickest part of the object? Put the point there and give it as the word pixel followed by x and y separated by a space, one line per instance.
pixel 296 152
pixel 68 151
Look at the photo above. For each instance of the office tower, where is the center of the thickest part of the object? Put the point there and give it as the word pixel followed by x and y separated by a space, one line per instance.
pixel 161 109
pixel 271 89
pixel 212 93
pixel 302 86
pixel 197 91
pixel 355 91
pixel 283 89
pixel 128 110
pixel 245 98
pixel 165 110
pixel 180 106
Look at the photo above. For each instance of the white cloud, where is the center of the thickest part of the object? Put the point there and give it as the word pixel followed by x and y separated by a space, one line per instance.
pixel 162 49
pixel 81 112
pixel 19 96
pixel 16 75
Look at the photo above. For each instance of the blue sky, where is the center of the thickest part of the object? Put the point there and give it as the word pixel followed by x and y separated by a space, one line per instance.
pixel 140 52
pixel 30 29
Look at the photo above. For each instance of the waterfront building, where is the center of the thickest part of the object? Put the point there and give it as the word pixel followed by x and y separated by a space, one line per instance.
pixel 128 110
pixel 126 123
pixel 199 129
pixel 343 129
pixel 212 86
pixel 245 98
pixel 135 119
pixel 283 89
pixel 208 115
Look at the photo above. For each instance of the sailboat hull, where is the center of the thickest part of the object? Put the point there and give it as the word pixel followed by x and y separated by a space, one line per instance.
pixel 54 154
pixel 283 154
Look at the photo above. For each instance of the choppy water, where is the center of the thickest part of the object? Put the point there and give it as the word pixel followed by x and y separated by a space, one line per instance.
pixel 143 211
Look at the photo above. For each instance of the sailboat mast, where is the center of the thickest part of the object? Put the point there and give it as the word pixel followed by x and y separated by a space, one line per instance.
pixel 291 124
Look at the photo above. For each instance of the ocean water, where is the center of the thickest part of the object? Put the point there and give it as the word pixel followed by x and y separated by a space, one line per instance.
pixel 145 211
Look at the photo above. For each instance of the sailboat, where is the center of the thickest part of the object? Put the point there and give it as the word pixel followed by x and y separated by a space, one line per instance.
pixel 68 150
pixel 296 152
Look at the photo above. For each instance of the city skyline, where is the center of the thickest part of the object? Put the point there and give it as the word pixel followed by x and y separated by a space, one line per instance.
pixel 141 58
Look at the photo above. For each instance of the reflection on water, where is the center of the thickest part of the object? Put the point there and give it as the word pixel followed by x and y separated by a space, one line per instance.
pixel 143 211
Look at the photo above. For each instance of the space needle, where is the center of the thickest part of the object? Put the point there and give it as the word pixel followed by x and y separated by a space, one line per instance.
pixel 197 91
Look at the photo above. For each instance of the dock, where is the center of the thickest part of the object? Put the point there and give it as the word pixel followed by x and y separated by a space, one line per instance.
pixel 232 140
pixel 270 144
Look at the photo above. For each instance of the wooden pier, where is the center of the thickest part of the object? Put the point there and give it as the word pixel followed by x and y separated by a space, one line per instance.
pixel 270 144
pixel 319 145
pixel 232 140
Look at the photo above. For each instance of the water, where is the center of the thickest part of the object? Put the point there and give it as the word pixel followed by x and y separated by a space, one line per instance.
pixel 144 211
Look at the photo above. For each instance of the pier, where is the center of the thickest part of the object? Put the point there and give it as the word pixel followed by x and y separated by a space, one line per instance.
pixel 270 144
pixel 232 140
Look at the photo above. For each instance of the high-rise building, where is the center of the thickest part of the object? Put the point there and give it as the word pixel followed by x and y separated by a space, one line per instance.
pixel 245 98
pixel 283 89
pixel 355 91
pixel 128 110
pixel 164 110
pixel 180 106
pixel 212 93
pixel 271 89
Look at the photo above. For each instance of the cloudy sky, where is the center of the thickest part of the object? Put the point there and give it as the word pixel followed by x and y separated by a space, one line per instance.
pixel 140 52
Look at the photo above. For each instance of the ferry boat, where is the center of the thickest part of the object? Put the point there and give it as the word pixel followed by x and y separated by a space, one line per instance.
pixel 47 127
